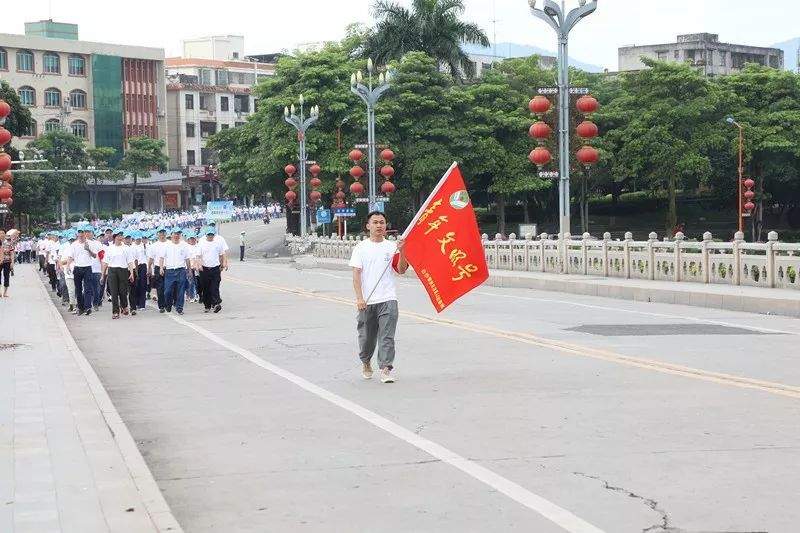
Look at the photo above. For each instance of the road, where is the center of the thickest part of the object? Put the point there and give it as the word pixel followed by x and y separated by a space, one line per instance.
pixel 516 410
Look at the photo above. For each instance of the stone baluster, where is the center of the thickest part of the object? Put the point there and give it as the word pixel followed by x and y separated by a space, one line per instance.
pixel 652 239
pixel 706 257
pixel 679 237
pixel 772 238
pixel 738 240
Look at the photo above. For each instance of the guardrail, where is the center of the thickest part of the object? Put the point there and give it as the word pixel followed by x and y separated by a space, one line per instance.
pixel 771 264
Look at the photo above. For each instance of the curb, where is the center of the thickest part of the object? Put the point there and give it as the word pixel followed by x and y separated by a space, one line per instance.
pixel 153 500
pixel 691 294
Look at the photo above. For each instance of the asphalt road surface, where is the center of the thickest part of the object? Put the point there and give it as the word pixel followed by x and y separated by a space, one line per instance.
pixel 516 410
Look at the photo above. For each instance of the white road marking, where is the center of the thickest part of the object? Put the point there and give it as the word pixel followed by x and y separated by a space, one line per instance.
pixel 484 292
pixel 558 515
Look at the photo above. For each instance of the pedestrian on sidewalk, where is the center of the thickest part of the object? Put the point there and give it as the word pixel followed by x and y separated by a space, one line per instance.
pixel 118 268
pixel 376 295
pixel 7 253
pixel 175 262
pixel 212 259
pixel 51 252
pixel 242 244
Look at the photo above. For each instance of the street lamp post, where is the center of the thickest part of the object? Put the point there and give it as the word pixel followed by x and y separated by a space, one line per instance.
pixel 562 22
pixel 301 124
pixel 732 121
pixel 370 95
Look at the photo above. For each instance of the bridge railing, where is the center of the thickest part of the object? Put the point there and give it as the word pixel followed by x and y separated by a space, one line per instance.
pixel 770 264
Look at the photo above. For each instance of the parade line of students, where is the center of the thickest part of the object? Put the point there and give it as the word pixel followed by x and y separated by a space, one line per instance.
pixel 85 266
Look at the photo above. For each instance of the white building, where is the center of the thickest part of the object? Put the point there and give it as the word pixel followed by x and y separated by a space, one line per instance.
pixel 205 95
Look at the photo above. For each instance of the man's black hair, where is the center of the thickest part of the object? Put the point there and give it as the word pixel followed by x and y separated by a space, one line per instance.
pixel 376 212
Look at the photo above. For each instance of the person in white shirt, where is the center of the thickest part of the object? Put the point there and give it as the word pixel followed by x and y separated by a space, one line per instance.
pixel 81 255
pixel 62 266
pixel 242 244
pixel 100 287
pixel 155 252
pixel 140 255
pixel 51 252
pixel 191 276
pixel 211 260
pixel 69 278
pixel 376 296
pixel 175 263
pixel 41 252
pixel 118 268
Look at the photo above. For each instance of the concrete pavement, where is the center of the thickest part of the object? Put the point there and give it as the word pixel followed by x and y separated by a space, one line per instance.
pixel 517 410
pixel 67 462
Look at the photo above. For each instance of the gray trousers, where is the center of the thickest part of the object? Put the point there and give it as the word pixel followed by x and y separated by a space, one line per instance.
pixel 376 326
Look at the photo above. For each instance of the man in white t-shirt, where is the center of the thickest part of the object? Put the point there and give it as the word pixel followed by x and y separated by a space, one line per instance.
pixel 376 296
pixel 211 259
pixel 175 262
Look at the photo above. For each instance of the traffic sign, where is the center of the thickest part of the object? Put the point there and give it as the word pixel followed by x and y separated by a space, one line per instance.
pixel 324 216
pixel 377 206
pixel 344 212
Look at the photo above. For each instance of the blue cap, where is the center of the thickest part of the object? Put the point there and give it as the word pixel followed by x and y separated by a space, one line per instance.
pixel 160 229
pixel 189 234
pixel 208 230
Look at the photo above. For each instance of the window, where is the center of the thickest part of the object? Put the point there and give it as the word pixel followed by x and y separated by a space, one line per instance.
pixel 677 54
pixel 52 63
pixel 77 65
pixel 25 60
pixel 222 77
pixel 77 99
pixel 30 132
pixel 236 55
pixel 189 101
pixel 52 124
pixel 238 125
pixel 224 126
pixel 207 156
pixel 52 97
pixel 80 128
pixel 207 129
pixel 241 103
pixel 190 129
pixel 3 59
pixel 27 96
pixel 205 76
pixel 662 56
pixel 207 102
pixel 190 160
pixel 223 103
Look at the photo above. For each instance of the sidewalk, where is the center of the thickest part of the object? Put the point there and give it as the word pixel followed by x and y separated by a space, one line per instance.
pixel 67 461
pixel 785 302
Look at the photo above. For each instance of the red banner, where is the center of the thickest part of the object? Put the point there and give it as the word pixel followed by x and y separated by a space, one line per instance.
pixel 443 243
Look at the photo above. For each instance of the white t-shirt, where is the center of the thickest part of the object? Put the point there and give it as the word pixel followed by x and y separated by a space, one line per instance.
pixel 220 238
pixel 97 268
pixel 372 258
pixel 80 256
pixel 156 251
pixel 175 255
pixel 118 256
pixel 52 249
pixel 209 252
pixel 139 253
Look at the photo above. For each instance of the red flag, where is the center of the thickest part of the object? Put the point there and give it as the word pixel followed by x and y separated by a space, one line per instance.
pixel 443 243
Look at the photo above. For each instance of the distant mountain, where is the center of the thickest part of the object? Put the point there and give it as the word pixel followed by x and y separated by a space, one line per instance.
pixel 789 52
pixel 510 50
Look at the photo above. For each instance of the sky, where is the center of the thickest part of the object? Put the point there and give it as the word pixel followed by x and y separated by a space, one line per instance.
pixel 275 25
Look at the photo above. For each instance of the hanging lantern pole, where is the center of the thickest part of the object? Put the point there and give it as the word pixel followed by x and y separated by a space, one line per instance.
pixel 301 124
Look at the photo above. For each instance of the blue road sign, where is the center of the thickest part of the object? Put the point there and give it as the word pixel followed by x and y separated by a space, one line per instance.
pixel 345 212
pixel 324 216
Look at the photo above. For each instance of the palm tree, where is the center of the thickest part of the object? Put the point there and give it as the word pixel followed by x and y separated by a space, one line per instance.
pixel 430 26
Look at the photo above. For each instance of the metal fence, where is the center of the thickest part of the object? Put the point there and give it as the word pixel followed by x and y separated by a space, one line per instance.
pixel 770 264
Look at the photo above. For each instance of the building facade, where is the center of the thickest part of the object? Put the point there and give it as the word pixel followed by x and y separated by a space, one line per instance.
pixel 704 51
pixel 106 93
pixel 206 95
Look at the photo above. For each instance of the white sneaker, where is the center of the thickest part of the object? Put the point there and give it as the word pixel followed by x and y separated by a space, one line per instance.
pixel 386 376
pixel 366 371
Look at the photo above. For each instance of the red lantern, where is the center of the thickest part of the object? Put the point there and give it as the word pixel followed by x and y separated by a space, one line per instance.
pixel 315 196
pixel 355 155
pixel 5 162
pixel 340 195
pixel 5 109
pixel 387 155
pixel 5 136
pixel 290 170
pixel 7 176
pixel 290 196
pixel 588 155
pixel 539 105
pixel 387 171
pixel 749 195
pixel 540 130
pixel 749 206
pixel 315 170
pixel 290 183
pixel 356 172
pixel 749 183
pixel 387 187
pixel 587 129
pixel 357 188
pixel 587 104
pixel 315 182
pixel 5 193
pixel 540 156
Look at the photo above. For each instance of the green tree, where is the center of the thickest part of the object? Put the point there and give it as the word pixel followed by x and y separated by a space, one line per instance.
pixel 431 26
pixel 143 155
